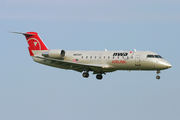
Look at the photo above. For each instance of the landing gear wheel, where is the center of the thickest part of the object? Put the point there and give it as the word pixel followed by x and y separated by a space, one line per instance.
pixel 85 75
pixel 99 76
pixel 157 77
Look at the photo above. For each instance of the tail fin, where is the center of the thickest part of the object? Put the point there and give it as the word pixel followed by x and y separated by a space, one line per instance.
pixel 34 41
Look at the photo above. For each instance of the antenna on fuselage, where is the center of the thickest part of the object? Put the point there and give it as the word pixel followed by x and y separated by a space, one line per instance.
pixel 135 50
pixel 105 49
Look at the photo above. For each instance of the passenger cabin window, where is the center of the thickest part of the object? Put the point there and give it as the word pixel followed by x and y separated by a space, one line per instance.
pixel 82 57
pixel 86 57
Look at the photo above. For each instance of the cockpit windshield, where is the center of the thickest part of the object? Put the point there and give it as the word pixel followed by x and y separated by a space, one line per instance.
pixel 157 56
pixel 154 56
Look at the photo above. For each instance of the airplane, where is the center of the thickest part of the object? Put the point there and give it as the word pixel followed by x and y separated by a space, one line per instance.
pixel 98 62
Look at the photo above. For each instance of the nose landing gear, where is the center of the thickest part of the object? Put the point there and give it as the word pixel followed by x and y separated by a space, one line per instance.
pixel 158 77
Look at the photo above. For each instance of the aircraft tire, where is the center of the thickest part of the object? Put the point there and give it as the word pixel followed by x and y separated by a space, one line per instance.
pixel 157 77
pixel 85 75
pixel 99 77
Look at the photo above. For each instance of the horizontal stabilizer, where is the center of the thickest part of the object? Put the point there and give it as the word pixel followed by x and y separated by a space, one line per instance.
pixel 21 33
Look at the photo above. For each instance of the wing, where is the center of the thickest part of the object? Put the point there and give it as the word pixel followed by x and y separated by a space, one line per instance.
pixel 79 67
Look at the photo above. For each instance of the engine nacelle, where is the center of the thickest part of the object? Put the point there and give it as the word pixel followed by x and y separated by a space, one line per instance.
pixel 54 54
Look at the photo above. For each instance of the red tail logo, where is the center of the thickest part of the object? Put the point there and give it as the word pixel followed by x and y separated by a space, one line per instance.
pixel 34 41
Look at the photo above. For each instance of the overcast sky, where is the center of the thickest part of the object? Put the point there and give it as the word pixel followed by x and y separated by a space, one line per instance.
pixel 29 90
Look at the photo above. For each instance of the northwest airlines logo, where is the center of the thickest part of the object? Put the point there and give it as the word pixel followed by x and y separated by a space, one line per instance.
pixel 34 44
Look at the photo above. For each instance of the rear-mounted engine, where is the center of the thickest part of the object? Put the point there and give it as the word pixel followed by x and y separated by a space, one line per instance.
pixel 54 54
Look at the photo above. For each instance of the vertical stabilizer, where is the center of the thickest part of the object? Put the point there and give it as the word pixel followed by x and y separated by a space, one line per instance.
pixel 36 45
pixel 34 41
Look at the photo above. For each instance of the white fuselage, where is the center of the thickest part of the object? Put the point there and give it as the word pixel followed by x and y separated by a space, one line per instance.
pixel 112 60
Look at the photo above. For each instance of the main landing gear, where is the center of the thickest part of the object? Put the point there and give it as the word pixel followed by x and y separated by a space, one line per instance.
pixel 85 74
pixel 99 76
pixel 158 77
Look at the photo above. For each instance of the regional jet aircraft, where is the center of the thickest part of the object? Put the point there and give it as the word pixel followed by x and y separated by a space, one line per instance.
pixel 99 62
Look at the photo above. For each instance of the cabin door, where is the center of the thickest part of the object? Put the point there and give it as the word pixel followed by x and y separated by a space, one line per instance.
pixel 138 61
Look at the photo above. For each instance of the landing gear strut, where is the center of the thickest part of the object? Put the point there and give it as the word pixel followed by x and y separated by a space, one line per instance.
pixel 158 77
pixel 85 74
pixel 99 76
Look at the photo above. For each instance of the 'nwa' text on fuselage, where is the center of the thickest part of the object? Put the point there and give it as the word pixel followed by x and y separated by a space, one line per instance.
pixel 120 54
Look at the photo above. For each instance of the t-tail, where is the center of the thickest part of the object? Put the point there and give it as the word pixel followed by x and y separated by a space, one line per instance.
pixel 36 45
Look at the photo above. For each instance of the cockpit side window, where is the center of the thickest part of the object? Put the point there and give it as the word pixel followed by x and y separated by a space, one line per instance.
pixel 150 56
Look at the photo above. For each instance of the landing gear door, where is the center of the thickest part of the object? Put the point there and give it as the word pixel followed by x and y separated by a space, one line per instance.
pixel 138 61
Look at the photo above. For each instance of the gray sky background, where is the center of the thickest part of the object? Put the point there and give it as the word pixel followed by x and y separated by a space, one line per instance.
pixel 29 90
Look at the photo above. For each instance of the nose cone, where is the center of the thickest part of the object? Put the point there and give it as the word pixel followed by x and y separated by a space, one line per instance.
pixel 165 64
pixel 169 65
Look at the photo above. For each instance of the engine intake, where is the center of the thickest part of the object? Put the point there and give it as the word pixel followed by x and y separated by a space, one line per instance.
pixel 54 54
